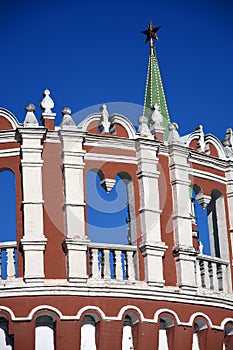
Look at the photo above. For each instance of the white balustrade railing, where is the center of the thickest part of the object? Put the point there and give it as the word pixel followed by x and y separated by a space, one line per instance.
pixel 8 257
pixel 212 273
pixel 112 261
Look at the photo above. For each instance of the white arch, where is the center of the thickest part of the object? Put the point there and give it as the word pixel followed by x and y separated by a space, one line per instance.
pixel 200 314
pixel 217 144
pixel 44 307
pixel 115 118
pixel 90 308
pixel 173 313
pixel 130 307
pixel 10 117
pixel 7 309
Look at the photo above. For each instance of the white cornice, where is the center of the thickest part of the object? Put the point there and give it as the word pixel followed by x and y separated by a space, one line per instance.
pixel 110 158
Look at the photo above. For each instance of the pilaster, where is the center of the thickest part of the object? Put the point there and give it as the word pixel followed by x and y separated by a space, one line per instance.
pixel 229 175
pixel 73 165
pixel 152 247
pixel 33 242
pixel 182 219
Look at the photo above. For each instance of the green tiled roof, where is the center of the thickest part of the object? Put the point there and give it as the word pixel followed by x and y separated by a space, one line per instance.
pixel 154 91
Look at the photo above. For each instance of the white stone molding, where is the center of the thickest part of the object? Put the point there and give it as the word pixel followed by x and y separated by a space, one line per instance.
pixel 73 165
pixel 152 247
pixel 229 176
pixel 182 219
pixel 33 242
pixel 108 184
pixel 202 199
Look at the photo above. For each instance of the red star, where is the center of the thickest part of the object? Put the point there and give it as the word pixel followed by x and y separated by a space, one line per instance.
pixel 151 32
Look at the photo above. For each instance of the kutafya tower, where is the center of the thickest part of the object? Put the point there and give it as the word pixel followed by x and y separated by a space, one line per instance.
pixel 154 93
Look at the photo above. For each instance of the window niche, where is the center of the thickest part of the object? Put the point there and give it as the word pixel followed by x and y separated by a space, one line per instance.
pixel 45 333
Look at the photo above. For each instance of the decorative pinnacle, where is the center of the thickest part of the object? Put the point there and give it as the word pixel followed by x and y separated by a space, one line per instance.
pixel 66 111
pixel 151 33
pixel 30 107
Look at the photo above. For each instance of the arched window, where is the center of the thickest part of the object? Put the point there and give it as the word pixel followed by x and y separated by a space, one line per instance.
pixel 166 325
pixel 200 220
pixel 6 341
pixel 45 331
pixel 199 335
pixel 88 333
pixel 8 224
pixel 127 337
pixel 7 206
pixel 217 226
pixel 228 337
pixel 110 208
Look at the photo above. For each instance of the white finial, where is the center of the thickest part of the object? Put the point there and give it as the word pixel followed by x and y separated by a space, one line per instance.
pixel 30 118
pixel 143 129
pixel 156 119
pixel 201 145
pixel 47 104
pixel 173 136
pixel 228 143
pixel 104 123
pixel 67 120
pixel 201 247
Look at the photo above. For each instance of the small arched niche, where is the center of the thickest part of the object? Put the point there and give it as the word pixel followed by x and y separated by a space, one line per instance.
pixel 200 329
pixel 6 340
pixel 166 330
pixel 45 332
pixel 89 332
pixel 130 332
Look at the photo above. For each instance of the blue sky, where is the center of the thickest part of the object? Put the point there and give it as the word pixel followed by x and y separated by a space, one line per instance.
pixel 92 52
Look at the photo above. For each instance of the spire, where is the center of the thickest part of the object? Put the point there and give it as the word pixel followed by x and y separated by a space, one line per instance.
pixel 154 93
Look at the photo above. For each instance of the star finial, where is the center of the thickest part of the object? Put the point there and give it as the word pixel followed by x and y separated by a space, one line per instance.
pixel 151 32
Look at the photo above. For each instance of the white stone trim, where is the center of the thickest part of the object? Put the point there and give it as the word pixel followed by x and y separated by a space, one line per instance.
pixel 10 152
pixel 110 158
pixel 119 317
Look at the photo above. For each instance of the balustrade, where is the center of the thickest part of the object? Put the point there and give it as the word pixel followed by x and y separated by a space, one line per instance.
pixel 212 273
pixel 8 260
pixel 112 261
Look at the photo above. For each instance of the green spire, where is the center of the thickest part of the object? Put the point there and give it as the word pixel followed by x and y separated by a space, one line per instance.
pixel 154 93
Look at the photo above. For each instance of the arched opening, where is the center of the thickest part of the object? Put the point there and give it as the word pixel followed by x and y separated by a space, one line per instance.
pixel 217 224
pixel 130 332
pixel 199 335
pixel 166 328
pixel 6 340
pixel 228 336
pixel 111 226
pixel 88 333
pixel 45 333
pixel 8 224
pixel 200 219
pixel 110 208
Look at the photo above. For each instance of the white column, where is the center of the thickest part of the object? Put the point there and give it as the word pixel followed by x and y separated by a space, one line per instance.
pixel 73 164
pixel 33 241
pixel 152 247
pixel 184 252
